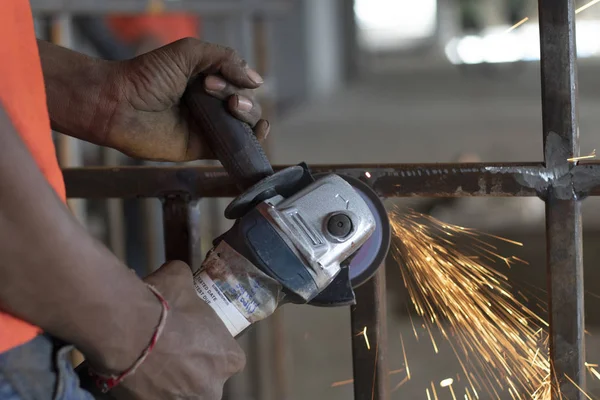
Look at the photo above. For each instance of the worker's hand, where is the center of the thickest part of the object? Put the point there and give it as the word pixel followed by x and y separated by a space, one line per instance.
pixel 149 120
pixel 195 354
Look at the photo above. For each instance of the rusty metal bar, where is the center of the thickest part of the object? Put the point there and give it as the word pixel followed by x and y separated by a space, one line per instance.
pixel 563 208
pixel 177 229
pixel 388 180
pixel 370 363
pixel 115 220
pixel 391 180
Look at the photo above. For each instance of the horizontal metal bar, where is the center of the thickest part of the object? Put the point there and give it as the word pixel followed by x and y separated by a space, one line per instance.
pixel 206 8
pixel 388 180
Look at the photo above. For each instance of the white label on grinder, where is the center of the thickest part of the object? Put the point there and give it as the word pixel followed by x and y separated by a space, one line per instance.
pixel 228 312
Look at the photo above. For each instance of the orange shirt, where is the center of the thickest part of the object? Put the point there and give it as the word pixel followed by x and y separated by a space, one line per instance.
pixel 164 27
pixel 23 96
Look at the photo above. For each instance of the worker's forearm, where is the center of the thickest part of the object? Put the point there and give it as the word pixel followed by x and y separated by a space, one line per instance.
pixel 81 92
pixel 56 276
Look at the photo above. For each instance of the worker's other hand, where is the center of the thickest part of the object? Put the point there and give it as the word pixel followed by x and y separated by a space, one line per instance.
pixel 195 354
pixel 149 120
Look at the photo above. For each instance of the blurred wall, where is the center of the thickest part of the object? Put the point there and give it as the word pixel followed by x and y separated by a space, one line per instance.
pixel 287 40
pixel 324 41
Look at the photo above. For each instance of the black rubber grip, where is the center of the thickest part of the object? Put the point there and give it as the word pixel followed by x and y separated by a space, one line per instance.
pixel 232 141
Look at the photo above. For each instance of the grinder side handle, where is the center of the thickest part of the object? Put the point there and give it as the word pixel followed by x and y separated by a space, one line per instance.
pixel 232 141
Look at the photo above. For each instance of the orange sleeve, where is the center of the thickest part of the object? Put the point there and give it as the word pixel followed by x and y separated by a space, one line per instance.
pixel 22 95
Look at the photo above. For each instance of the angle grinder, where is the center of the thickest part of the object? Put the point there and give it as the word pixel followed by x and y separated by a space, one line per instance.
pixel 297 238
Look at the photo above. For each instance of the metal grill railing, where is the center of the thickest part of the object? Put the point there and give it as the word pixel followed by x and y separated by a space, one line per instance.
pixel 562 185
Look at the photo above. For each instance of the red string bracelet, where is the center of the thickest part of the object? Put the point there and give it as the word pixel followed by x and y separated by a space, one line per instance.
pixel 105 383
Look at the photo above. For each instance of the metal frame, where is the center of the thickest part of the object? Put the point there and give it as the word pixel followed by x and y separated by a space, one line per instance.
pixel 561 184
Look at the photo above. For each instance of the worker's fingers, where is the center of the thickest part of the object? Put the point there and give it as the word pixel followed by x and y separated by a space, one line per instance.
pixel 262 129
pixel 200 57
pixel 218 87
pixel 241 102
pixel 244 109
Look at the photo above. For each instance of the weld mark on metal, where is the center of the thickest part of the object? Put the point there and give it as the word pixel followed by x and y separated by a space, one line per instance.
pixel 568 181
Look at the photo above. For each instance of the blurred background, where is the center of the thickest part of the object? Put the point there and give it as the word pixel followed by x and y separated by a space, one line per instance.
pixel 363 81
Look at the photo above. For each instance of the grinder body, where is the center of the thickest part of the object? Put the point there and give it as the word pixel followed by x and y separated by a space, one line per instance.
pixel 292 235
pixel 285 250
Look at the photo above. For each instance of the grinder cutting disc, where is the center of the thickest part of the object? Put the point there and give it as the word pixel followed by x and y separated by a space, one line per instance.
pixel 371 255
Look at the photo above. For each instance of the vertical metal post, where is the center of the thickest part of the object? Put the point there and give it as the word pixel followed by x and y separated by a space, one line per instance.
pixel 563 210
pixel 153 233
pixel 279 353
pixel 115 212
pixel 69 149
pixel 370 363
pixel 177 229
pixel 349 34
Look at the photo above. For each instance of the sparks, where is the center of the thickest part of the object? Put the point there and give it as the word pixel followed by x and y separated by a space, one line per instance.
pixel 586 6
pixel 518 24
pixel 591 155
pixel 412 324
pixel 577 11
pixel 578 387
pixel 342 383
pixel 399 385
pixel 446 382
pixel 468 394
pixel 350 381
pixel 364 333
pixel 592 369
pixel 452 392
pixel 405 359
pixel 453 286
pixel 502 346
pixel 433 391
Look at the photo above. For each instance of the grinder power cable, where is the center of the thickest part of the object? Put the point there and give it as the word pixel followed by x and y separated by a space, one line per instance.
pixel 297 238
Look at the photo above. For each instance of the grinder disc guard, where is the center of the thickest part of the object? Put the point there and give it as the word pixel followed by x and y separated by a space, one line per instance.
pixel 372 254
pixel 365 262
